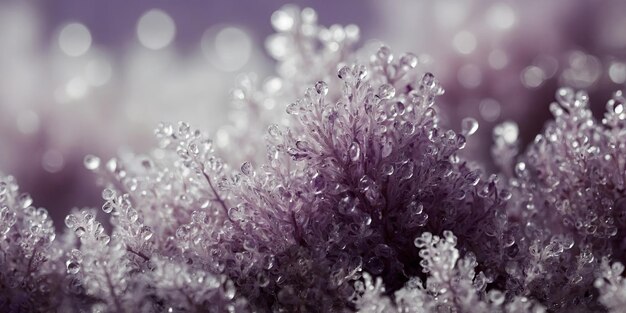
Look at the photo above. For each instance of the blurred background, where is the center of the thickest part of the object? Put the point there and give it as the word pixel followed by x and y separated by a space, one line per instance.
pixel 84 77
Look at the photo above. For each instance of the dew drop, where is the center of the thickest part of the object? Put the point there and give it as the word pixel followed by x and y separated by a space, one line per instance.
pixel 408 60
pixel 428 80
pixel 246 169
pixel 321 88
pixel 384 54
pixel 386 91
pixel 72 267
pixel 387 169
pixel 25 200
pixel 469 126
pixel 108 194
pixel 303 145
pixel 274 131
pixel 354 152
pixel 71 221
pixel 345 74
pixel 318 182
pixel 91 162
pixel 79 231
pixel 292 109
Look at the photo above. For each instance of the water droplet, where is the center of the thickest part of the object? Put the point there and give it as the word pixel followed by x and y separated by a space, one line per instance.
pixel 520 169
pixel 132 215
pixel 246 169
pixel 318 182
pixel 79 231
pixel 91 162
pixel 415 208
pixel 384 54
pixel 72 267
pixel 274 131
pixel 469 126
pixel 321 88
pixel 183 231
pixel 565 96
pixel 25 200
pixel 303 145
pixel 108 194
pixel 292 109
pixel 406 170
pixel 428 80
pixel 387 169
pixel 386 91
pixel 354 152
pixel 408 60
pixel 345 74
pixel 496 297
pixel 183 129
pixel 71 221
pixel 107 207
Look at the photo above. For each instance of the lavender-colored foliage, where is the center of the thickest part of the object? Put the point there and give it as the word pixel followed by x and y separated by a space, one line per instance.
pixel 361 203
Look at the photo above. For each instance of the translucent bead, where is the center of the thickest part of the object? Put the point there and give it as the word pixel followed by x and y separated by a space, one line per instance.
pixel 274 131
pixel 387 170
pixel 246 169
pixel 108 194
pixel 183 231
pixel 496 297
pixel 428 80
pixel 79 231
pixel 384 54
pixel 318 182
pixel 473 177
pixel 345 74
pixel 104 239
pixel 73 267
pixel 132 215
pixel 107 207
pixel 565 96
pixel 415 208
pixel 408 60
pixel 386 91
pixel 354 152
pixel 405 171
pixel 321 88
pixel 91 162
pixel 24 200
pixel 183 129
pixel 469 126
pixel 71 221
pixel 292 109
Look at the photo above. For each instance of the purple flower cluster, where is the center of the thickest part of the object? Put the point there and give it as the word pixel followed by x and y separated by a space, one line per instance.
pixel 363 202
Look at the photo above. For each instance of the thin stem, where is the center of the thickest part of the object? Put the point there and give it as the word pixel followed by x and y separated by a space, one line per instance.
pixel 116 300
pixel 138 253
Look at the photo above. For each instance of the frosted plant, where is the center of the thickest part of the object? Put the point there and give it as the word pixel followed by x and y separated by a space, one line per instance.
pixel 31 271
pixel 569 210
pixel 357 174
pixel 452 285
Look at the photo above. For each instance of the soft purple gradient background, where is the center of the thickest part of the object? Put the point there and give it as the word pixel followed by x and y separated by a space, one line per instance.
pixel 184 85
